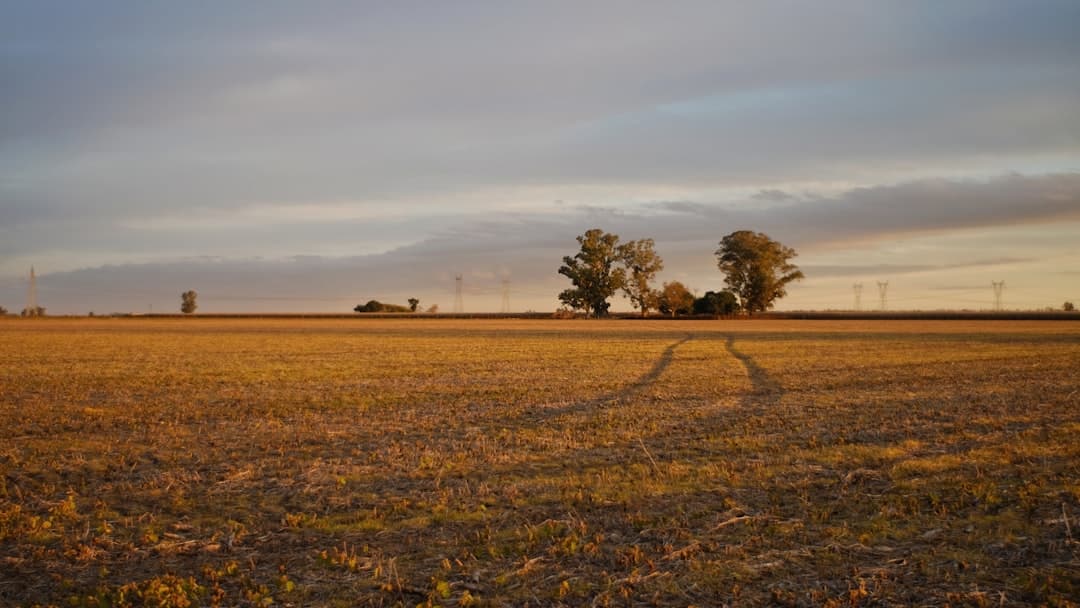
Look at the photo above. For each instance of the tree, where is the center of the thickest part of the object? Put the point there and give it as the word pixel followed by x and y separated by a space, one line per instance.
pixel 1068 307
pixel 413 303
pixel 37 311
pixel 433 309
pixel 756 268
pixel 187 302
pixel 3 311
pixel 641 263
pixel 716 303
pixel 593 272
pixel 676 299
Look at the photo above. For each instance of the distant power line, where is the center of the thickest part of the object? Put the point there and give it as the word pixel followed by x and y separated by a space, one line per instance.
pixel 999 286
pixel 31 295
pixel 459 299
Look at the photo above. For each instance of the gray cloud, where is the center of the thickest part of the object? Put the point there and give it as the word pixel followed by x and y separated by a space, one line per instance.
pixel 436 137
pixel 526 248
pixel 862 270
pixel 125 109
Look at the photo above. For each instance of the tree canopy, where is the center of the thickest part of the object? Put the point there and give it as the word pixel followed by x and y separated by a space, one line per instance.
pixel 676 299
pixel 187 301
pixel 594 272
pixel 756 268
pixel 716 303
pixel 641 263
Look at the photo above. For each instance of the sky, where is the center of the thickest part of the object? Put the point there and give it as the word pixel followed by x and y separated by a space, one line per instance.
pixel 310 156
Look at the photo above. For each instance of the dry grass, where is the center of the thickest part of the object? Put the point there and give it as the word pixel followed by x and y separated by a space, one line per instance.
pixel 380 462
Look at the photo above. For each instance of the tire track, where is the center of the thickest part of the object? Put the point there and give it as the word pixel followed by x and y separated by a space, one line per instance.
pixel 623 394
pixel 765 389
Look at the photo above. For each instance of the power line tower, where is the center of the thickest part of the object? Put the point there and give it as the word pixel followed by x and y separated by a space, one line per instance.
pixel 31 295
pixel 459 301
pixel 858 295
pixel 883 293
pixel 506 295
pixel 999 286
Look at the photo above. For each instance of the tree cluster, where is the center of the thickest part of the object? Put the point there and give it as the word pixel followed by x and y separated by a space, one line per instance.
pixel 756 270
pixel 604 266
pixel 377 306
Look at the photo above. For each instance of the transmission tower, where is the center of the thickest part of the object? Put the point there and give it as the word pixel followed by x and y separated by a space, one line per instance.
pixel 506 295
pixel 883 291
pixel 459 301
pixel 31 295
pixel 999 286
pixel 858 295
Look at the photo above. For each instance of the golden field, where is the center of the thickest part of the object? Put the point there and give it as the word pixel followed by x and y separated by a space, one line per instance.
pixel 194 462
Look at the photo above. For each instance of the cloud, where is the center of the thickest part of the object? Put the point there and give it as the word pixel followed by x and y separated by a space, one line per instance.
pixel 439 137
pixel 127 111
pixel 861 270
pixel 526 247
pixel 931 205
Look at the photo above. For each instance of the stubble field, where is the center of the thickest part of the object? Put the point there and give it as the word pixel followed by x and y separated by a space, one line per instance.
pixel 490 463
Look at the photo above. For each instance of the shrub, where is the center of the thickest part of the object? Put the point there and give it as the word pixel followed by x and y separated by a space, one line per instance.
pixel 377 306
pixel 716 303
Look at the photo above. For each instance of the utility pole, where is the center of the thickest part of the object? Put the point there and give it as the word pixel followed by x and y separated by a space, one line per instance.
pixel 506 295
pixel 999 286
pixel 31 295
pixel 858 295
pixel 459 301
pixel 883 289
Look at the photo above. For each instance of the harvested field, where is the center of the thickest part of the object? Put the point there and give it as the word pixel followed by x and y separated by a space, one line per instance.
pixel 175 462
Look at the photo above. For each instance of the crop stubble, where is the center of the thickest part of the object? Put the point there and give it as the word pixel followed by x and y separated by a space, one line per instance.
pixel 382 462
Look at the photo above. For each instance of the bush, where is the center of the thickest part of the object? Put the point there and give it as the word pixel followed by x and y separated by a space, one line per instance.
pixel 564 313
pixel 716 303
pixel 377 306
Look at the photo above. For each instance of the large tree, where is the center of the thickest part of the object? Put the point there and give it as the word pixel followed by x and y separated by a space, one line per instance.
pixel 594 272
pixel 641 263
pixel 756 268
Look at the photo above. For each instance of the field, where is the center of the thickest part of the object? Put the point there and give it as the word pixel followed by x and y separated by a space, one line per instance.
pixel 176 462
